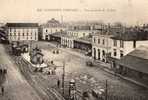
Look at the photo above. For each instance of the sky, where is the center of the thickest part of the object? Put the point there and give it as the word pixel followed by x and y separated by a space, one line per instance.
pixel 109 11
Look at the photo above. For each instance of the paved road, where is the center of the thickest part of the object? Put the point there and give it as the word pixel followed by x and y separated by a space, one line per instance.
pixel 16 86
pixel 39 81
pixel 76 68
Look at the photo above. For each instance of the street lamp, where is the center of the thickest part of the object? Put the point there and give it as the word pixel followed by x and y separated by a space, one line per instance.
pixel 106 90
pixel 63 77
pixel 72 89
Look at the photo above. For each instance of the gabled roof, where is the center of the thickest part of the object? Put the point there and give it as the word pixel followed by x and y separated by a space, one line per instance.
pixel 136 60
pixel 22 24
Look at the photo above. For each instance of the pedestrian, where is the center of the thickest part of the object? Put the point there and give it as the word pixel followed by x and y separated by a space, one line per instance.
pixel 51 62
pixel 2 90
pixel 1 71
pixel 58 83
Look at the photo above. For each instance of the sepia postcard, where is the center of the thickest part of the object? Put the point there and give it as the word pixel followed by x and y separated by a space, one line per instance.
pixel 73 50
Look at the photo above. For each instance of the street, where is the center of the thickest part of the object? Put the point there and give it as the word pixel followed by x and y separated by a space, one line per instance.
pixel 89 76
pixel 16 86
pixel 42 86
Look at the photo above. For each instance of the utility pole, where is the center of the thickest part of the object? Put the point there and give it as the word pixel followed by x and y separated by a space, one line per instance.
pixel 63 77
pixel 107 37
pixel 106 90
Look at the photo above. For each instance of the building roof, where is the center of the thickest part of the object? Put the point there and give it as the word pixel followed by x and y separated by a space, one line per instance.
pixel 86 39
pixel 59 34
pixel 81 30
pixel 103 34
pixel 53 23
pixel 130 35
pixel 22 24
pixel 69 36
pixel 136 60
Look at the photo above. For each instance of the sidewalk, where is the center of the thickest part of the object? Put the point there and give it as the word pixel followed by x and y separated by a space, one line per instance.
pixel 16 86
pixel 105 66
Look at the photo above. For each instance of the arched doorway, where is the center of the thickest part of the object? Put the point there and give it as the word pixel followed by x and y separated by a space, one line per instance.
pixel 98 53
pixel 103 56
pixel 46 38
pixel 94 53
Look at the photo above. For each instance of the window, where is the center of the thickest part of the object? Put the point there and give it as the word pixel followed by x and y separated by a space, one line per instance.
pixel 134 44
pixel 98 53
pixel 103 41
pixel 94 39
pixel 115 52
pixel 94 49
pixel 83 34
pixel 103 53
pixel 121 53
pixel 121 44
pixel 27 34
pixel 98 41
pixel 23 34
pixel 115 42
pixel 46 30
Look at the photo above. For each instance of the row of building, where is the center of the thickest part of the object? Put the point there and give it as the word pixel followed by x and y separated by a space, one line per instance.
pixel 31 31
pixel 112 44
pixel 125 49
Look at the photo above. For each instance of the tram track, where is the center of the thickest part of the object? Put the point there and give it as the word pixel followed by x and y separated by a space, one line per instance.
pixel 36 80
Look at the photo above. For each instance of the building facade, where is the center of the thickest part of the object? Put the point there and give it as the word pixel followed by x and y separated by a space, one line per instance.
pixel 22 31
pixel 71 35
pixel 52 26
pixel 134 65
pixel 84 44
pixel 101 46
pixel 125 43
pixel 67 41
pixel 122 47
